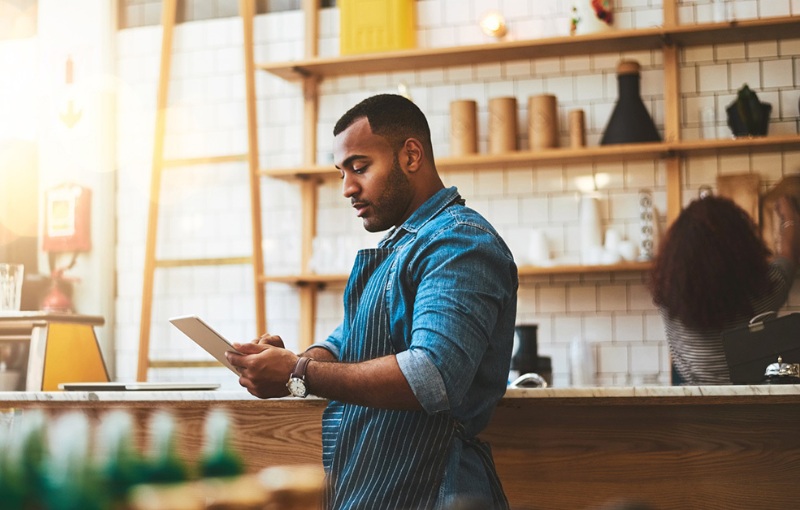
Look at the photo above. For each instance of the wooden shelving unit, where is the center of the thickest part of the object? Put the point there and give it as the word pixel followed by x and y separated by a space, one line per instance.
pixel 668 38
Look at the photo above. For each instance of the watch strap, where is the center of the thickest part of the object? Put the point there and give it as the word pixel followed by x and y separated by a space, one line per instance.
pixel 299 371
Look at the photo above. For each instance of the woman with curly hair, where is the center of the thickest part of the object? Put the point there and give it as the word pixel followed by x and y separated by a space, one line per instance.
pixel 712 273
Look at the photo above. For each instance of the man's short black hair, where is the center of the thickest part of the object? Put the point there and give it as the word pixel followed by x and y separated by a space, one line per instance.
pixel 393 117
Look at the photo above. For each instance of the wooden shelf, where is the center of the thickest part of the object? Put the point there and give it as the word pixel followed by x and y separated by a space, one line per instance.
pixel 630 151
pixel 300 172
pixel 326 279
pixel 579 269
pixel 738 145
pixel 606 42
pixel 306 279
pixel 743 31
pixel 386 62
pixel 606 153
pixel 638 151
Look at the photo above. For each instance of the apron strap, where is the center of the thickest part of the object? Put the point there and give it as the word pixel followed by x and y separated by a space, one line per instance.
pixel 484 452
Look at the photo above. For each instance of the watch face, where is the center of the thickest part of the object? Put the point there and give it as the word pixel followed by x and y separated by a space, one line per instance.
pixel 297 387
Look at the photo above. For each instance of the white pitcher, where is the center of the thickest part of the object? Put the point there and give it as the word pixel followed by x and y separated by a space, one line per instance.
pixel 591 230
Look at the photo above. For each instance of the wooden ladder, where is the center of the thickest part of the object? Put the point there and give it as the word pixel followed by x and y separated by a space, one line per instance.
pixel 159 164
pixel 309 187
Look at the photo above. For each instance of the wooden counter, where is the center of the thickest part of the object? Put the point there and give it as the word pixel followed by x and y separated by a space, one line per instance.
pixel 723 447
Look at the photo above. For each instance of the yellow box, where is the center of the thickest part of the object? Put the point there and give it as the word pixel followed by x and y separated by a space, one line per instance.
pixel 368 26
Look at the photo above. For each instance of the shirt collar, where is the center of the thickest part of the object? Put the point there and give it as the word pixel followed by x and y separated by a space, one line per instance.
pixel 424 213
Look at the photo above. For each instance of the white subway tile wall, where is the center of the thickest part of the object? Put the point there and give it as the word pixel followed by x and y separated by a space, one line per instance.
pixel 206 210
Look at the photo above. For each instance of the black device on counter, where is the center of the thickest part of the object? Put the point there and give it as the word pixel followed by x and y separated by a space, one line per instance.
pixel 526 359
pixel 750 349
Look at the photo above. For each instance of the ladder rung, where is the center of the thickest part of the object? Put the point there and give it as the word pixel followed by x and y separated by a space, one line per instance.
pixel 226 261
pixel 205 160
pixel 304 279
pixel 183 364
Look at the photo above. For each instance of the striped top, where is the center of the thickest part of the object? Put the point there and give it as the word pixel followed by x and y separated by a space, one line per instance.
pixel 698 356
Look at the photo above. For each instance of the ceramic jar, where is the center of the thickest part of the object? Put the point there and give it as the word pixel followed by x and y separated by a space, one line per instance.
pixel 463 127
pixel 542 121
pixel 502 125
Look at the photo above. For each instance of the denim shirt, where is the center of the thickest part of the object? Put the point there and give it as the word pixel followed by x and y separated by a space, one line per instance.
pixel 451 296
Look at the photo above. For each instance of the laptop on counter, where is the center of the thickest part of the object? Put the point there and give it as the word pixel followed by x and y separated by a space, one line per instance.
pixel 137 386
pixel 193 327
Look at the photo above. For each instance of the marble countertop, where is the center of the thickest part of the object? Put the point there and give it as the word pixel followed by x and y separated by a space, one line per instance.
pixel 655 391
pixel 125 396
pixel 511 393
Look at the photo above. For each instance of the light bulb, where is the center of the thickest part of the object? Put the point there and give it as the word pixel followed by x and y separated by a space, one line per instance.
pixel 493 24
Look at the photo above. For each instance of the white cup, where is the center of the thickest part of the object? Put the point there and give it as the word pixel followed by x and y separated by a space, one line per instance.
pixel 628 250
pixel 612 240
pixel 610 257
pixel 10 287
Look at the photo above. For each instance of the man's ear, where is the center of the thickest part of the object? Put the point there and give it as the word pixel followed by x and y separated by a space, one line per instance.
pixel 411 155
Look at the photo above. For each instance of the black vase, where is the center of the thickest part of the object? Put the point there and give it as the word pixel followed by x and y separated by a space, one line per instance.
pixel 747 116
pixel 525 358
pixel 630 121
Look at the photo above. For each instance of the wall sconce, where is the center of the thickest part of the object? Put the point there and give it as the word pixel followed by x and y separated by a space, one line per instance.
pixel 493 24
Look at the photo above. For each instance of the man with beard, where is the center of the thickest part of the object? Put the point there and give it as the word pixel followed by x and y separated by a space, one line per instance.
pixel 421 357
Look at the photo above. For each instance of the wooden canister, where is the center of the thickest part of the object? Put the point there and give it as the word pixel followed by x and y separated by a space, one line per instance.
pixel 502 125
pixel 577 129
pixel 542 121
pixel 463 127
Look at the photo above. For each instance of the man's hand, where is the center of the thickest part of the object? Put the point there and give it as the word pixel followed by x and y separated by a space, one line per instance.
pixel 268 339
pixel 263 368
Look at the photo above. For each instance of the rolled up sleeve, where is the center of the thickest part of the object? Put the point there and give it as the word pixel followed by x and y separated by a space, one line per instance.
pixel 425 380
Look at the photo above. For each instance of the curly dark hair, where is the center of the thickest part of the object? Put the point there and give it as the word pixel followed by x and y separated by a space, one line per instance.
pixel 711 265
pixel 393 117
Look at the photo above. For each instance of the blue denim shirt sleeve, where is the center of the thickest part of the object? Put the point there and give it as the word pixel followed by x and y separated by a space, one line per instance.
pixel 333 342
pixel 465 280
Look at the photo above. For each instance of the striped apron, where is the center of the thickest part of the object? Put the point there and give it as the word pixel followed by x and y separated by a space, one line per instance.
pixel 378 458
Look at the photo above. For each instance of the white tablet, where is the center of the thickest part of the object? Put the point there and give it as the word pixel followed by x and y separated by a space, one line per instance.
pixel 205 336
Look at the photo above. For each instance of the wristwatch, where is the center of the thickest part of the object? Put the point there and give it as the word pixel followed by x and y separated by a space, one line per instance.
pixel 297 381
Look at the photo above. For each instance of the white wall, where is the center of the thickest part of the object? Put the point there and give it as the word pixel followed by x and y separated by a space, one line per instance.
pixel 207 209
pixel 32 100
pixel 84 153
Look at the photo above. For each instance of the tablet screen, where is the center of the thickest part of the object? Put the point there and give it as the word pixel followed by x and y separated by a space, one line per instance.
pixel 205 336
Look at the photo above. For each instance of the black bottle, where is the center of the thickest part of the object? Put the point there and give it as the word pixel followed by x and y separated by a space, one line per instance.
pixel 525 358
pixel 630 121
